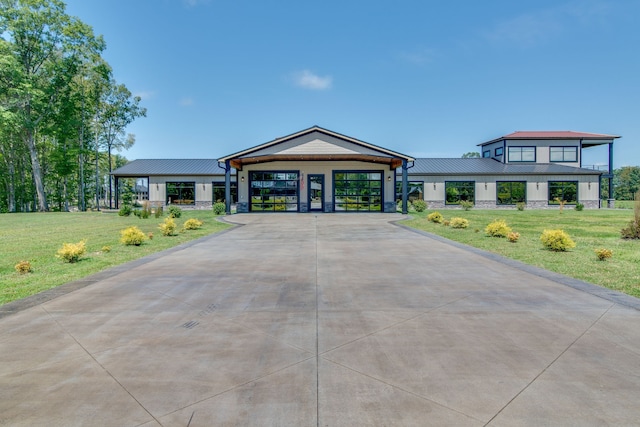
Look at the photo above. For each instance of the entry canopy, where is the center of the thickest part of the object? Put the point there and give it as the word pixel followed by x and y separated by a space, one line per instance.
pixel 316 144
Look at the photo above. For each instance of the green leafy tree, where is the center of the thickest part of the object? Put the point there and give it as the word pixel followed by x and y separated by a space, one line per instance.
pixel 46 47
pixel 471 155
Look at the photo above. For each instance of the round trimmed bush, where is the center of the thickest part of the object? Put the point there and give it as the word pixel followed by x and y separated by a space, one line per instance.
pixel 132 236
pixel 435 217
pixel 557 240
pixel 419 205
pixel 457 222
pixel 498 228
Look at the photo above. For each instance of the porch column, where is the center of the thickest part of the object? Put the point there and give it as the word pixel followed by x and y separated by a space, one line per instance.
pixel 405 185
pixel 611 201
pixel 117 192
pixel 227 186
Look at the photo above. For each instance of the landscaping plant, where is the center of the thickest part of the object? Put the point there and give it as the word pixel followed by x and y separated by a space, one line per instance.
pixel 632 230
pixel 168 227
pixel 466 204
pixel 71 252
pixel 419 205
pixel 192 224
pixel 132 236
pixel 435 217
pixel 557 240
pixel 23 267
pixel 174 212
pixel 498 228
pixel 457 222
pixel 513 236
pixel 219 208
pixel 603 254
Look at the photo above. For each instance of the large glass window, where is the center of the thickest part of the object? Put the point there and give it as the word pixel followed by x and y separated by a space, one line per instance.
pixel 415 190
pixel 274 191
pixel 457 191
pixel 563 154
pixel 357 191
pixel 522 154
pixel 498 151
pixel 219 192
pixel 511 192
pixel 181 193
pixel 563 190
pixel 486 154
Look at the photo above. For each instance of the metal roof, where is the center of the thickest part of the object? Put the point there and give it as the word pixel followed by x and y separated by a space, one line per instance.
pixel 553 134
pixel 483 166
pixel 148 167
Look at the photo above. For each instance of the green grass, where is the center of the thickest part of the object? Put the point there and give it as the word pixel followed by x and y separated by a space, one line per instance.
pixel 590 229
pixel 623 204
pixel 36 237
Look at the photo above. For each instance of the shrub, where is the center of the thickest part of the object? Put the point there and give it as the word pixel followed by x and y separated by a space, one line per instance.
pixel 125 210
pixel 513 237
pixel 23 267
pixel 219 208
pixel 457 222
pixel 498 228
pixel 419 205
pixel 159 211
pixel 579 206
pixel 71 252
pixel 603 253
pixel 174 212
pixel 435 217
pixel 556 240
pixel 446 222
pixel 466 204
pixel 150 236
pixel 145 212
pixel 106 248
pixel 132 236
pixel 632 231
pixel 168 227
pixel 520 206
pixel 192 224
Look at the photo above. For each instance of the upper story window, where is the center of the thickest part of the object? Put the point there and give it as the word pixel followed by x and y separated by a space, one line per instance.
pixel 499 151
pixel 522 154
pixel 563 154
pixel 486 154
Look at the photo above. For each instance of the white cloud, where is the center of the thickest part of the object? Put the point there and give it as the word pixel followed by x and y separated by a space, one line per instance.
pixel 308 80
pixel 145 95
pixel 187 101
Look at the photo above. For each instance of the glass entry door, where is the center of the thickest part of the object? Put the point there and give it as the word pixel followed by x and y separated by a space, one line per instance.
pixel 316 192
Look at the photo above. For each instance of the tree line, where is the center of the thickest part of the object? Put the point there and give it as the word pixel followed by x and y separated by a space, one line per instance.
pixel 62 114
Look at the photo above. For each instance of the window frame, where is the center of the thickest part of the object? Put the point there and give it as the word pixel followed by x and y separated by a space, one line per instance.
pixel 552 202
pixel 410 183
pixel 222 184
pixel 446 187
pixel 277 205
pixel 486 154
pixel 520 147
pixel 564 153
pixel 359 201
pixel 181 186
pixel 499 151
pixel 511 202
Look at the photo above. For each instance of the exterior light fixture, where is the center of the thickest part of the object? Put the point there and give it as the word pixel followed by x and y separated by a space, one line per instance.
pixel 434 185
pixel 389 178
pixel 242 179
pixel 537 185
pixel 157 186
pixel 485 185
pixel 589 186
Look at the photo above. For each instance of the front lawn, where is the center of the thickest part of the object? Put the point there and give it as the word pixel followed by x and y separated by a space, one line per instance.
pixel 36 237
pixel 590 229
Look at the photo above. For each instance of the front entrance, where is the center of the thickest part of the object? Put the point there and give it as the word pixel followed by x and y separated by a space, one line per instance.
pixel 316 192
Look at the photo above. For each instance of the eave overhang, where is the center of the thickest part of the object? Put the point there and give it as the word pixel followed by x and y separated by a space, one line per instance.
pixel 239 162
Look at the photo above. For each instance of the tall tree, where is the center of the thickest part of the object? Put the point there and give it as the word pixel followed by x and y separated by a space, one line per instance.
pixel 118 108
pixel 471 155
pixel 48 46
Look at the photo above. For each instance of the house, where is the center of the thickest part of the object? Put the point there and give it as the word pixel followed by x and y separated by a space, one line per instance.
pixel 318 170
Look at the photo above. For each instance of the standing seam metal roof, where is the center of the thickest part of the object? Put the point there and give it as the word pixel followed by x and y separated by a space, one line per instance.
pixel 170 167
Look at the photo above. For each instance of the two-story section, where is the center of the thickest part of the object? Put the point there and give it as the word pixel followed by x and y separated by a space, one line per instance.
pixel 548 147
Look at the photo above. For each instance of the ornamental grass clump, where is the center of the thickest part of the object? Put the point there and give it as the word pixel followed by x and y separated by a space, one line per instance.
pixel 168 227
pixel 557 240
pixel 457 222
pixel 467 205
pixel 132 236
pixel 72 252
pixel 513 237
pixel 23 267
pixel 632 230
pixel 603 254
pixel 192 224
pixel 498 228
pixel 435 217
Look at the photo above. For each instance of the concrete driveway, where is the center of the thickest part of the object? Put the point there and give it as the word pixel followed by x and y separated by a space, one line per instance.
pixel 322 320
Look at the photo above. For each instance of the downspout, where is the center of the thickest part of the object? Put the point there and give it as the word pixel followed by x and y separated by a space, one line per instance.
pixel 227 186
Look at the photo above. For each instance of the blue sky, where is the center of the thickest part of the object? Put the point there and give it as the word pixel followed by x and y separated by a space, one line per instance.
pixel 425 78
